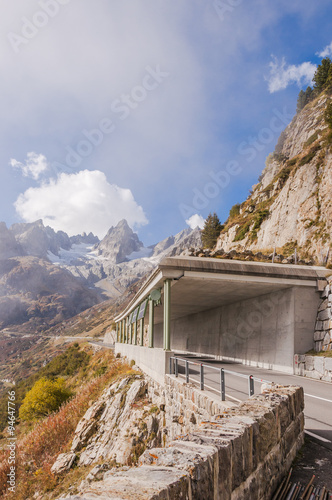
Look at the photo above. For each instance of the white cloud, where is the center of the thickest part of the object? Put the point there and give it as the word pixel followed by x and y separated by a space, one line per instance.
pixel 79 202
pixel 327 52
pixel 195 221
pixel 35 164
pixel 282 75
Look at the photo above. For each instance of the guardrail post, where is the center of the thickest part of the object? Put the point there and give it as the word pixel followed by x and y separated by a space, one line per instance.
pixel 251 385
pixel 170 366
pixel 202 377
pixel 187 372
pixel 176 369
pixel 222 385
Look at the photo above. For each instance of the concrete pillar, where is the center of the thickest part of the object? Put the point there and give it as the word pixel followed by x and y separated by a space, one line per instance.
pixel 127 329
pixel 142 330
pixel 151 322
pixel 117 331
pixel 123 331
pixel 167 315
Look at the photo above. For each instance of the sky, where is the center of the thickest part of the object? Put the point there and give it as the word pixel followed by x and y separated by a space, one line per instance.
pixel 156 111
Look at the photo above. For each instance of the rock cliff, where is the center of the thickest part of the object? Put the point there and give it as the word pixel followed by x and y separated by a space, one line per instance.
pixel 36 293
pixel 291 205
pixel 119 242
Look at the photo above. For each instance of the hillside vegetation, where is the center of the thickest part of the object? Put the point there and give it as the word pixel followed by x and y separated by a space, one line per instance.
pixel 85 374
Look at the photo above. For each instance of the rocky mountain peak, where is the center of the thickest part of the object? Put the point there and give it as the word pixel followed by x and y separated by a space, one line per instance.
pixel 8 244
pixel 119 242
pixel 36 239
pixel 84 238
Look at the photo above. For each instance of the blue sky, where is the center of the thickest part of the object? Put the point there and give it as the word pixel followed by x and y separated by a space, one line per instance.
pixel 152 110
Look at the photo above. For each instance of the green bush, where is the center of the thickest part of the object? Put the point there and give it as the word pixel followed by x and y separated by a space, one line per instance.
pixel 311 139
pixel 242 231
pixel 45 397
pixel 260 217
pixel 234 211
pixel 307 158
pixel 66 364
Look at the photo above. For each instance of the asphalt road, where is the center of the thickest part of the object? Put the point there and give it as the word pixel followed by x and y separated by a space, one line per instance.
pixel 318 394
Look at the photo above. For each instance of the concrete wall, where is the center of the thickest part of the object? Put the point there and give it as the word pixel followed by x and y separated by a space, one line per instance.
pixel 265 331
pixel 154 362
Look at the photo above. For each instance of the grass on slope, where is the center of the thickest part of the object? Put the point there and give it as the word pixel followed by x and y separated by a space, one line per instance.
pixel 40 443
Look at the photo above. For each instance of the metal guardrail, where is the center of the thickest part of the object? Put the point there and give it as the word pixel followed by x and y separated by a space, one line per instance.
pixel 174 368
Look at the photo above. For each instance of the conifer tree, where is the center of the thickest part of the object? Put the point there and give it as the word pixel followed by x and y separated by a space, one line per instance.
pixel 304 97
pixel 322 74
pixel 211 230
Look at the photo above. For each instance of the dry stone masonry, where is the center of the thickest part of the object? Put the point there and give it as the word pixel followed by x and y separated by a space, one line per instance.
pixel 323 328
pixel 196 447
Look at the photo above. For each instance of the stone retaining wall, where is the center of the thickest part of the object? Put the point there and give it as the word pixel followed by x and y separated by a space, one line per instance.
pixel 235 453
pixel 323 327
pixel 241 453
pixel 317 367
pixel 185 405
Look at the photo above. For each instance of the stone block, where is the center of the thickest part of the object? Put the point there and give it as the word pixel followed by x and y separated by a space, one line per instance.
pixel 284 416
pixel 268 435
pixel 319 325
pixel 327 339
pixel 238 472
pixel 328 364
pixel 318 346
pixel 324 315
pixel 319 365
pixel 319 335
pixel 309 363
pixel 326 325
pixel 323 305
pixel 313 374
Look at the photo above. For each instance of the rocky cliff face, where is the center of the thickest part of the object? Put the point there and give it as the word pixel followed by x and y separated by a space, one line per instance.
pixel 291 206
pixel 81 262
pixel 36 293
pixel 36 239
pixel 119 242
pixel 8 244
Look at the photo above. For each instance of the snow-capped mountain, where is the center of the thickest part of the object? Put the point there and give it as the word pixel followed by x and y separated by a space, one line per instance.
pixel 46 276
pixel 120 258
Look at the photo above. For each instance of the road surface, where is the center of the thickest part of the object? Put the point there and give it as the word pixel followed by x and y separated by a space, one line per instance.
pixel 317 394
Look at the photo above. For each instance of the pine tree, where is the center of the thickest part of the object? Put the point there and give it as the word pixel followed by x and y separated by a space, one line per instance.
pixel 300 101
pixel 322 74
pixel 304 98
pixel 211 230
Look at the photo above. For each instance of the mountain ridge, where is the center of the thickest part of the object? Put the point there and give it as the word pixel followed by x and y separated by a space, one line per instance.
pixel 90 269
